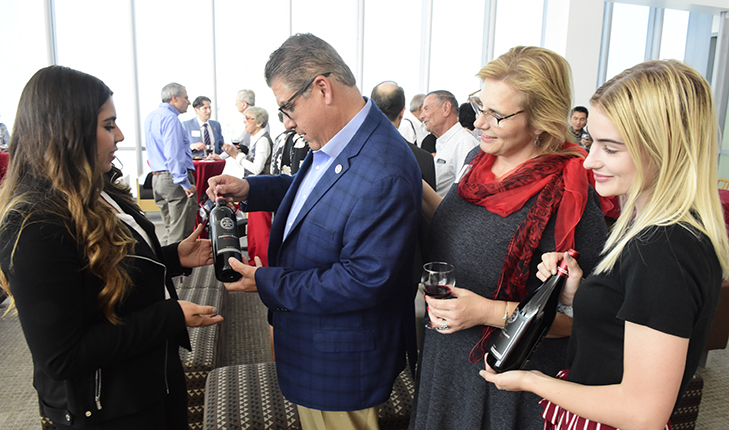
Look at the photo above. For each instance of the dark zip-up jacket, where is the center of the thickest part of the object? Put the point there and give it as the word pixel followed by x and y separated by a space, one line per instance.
pixel 87 370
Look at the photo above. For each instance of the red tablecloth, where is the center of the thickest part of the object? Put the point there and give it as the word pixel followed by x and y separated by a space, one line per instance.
pixel 4 156
pixel 204 170
pixel 724 197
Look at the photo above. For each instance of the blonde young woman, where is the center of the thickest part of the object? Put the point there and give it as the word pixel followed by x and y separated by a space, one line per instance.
pixel 90 281
pixel 642 318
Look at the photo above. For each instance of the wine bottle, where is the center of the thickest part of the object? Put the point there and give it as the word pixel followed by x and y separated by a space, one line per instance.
pixel 226 244
pixel 528 324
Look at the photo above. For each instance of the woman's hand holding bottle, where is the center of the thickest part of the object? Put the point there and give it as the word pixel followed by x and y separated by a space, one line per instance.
pixel 548 267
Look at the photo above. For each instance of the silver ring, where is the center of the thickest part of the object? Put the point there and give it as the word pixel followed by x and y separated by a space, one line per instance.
pixel 443 325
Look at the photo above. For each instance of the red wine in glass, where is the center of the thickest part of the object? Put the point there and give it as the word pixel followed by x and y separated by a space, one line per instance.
pixel 438 279
pixel 437 291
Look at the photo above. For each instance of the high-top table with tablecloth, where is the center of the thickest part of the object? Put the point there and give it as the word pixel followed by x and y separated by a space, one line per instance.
pixel 4 156
pixel 204 170
pixel 724 197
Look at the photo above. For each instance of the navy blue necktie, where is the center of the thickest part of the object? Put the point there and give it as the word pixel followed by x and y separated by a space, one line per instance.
pixel 206 135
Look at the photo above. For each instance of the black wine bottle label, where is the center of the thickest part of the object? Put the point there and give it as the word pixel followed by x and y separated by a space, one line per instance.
pixel 227 239
pixel 226 244
pixel 528 324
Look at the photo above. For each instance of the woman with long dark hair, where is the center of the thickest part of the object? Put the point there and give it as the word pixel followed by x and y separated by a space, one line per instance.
pixel 90 281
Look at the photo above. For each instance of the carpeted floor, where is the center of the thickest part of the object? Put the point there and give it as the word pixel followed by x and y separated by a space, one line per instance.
pixel 18 402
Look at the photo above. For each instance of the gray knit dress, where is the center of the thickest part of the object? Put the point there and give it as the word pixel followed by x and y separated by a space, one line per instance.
pixel 450 394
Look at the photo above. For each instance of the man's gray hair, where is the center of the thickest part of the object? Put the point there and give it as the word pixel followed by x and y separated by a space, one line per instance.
pixel 446 96
pixel 303 57
pixel 171 89
pixel 247 96
pixel 416 102
pixel 259 113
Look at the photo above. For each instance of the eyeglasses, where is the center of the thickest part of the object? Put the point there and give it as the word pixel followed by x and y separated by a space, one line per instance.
pixel 288 103
pixel 478 108
pixel 250 118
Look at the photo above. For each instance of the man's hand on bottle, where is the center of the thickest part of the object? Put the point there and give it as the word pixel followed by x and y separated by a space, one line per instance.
pixel 234 189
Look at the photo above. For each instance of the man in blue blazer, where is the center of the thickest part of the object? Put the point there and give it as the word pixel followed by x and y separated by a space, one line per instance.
pixel 195 129
pixel 342 242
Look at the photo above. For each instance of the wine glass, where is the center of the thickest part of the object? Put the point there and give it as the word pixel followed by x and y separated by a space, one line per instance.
pixel 437 280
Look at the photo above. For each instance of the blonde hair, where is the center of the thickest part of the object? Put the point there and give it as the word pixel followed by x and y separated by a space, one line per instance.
pixel 544 80
pixel 664 112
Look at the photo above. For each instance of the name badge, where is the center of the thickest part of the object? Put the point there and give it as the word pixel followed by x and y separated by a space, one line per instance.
pixel 195 133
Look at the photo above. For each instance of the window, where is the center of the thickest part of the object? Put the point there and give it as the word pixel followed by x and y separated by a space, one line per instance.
pixel 93 43
pixel 392 45
pixel 627 37
pixel 456 47
pixel 20 60
pixel 245 36
pixel 518 23
pixel 673 37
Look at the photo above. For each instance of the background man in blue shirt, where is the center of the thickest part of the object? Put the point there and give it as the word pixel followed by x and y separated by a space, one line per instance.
pixel 169 156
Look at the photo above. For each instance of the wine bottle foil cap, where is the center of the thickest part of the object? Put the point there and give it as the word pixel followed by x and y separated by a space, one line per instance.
pixel 562 268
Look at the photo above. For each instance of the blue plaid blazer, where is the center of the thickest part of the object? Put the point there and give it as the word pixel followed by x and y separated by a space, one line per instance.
pixel 339 287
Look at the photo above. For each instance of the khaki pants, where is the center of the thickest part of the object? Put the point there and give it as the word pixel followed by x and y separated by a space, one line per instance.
pixel 178 211
pixel 313 419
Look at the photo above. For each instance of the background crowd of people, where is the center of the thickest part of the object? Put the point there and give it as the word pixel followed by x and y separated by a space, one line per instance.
pixel 365 190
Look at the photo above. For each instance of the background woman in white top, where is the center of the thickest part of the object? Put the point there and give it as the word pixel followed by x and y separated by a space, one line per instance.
pixel 258 158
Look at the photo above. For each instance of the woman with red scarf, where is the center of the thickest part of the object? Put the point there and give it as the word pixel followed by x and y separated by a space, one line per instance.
pixel 522 193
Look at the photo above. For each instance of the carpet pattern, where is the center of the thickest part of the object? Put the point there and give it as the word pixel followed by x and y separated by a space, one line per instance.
pixel 248 342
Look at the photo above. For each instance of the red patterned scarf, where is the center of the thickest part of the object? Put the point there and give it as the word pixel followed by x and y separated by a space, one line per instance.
pixel 560 183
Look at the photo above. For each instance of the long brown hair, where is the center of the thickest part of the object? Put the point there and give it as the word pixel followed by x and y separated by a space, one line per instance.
pixel 53 171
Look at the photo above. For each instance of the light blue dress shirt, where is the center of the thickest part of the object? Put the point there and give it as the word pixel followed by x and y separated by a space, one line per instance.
pixel 322 161
pixel 168 147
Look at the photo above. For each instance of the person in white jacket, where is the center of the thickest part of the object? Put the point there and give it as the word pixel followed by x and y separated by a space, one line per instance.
pixel 258 158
